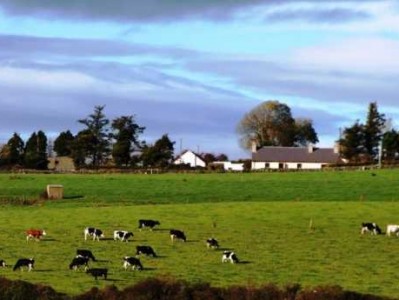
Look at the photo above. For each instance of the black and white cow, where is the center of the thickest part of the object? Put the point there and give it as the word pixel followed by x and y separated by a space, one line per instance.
pixel 370 227
pixel 93 232
pixel 177 235
pixel 98 272
pixel 24 262
pixel 79 261
pixel 229 256
pixel 122 235
pixel 146 250
pixel 131 261
pixel 212 243
pixel 2 263
pixel 85 253
pixel 392 229
pixel 148 223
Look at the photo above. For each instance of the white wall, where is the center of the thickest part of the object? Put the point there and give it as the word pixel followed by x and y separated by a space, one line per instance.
pixel 289 166
pixel 190 158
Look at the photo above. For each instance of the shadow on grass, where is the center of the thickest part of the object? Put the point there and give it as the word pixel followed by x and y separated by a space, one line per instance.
pixel 73 197
pixel 244 262
pixel 49 240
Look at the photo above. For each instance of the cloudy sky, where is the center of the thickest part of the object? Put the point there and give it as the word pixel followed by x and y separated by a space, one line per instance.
pixel 192 69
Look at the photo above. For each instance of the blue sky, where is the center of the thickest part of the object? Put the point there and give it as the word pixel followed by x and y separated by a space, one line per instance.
pixel 192 69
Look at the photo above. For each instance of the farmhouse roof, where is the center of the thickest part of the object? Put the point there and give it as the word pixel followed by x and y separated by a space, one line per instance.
pixel 296 154
pixel 184 152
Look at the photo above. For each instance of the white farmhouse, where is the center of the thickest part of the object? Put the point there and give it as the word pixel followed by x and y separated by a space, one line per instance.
pixel 294 158
pixel 230 166
pixel 190 158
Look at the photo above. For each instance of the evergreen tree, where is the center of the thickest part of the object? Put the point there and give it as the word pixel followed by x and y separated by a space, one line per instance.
pixel 390 142
pixel 97 128
pixel 373 130
pixel 160 154
pixel 63 143
pixel 82 147
pixel 126 132
pixel 36 151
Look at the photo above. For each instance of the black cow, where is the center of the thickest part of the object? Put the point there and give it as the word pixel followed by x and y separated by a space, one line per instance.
pixel 148 223
pixel 370 227
pixel 177 235
pixel 98 272
pixel 24 262
pixel 79 261
pixel 146 250
pixel 229 256
pixel 93 232
pixel 212 243
pixel 85 253
pixel 122 235
pixel 130 261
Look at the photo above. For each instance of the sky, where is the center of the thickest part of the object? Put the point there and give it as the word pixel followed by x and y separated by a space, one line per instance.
pixel 193 69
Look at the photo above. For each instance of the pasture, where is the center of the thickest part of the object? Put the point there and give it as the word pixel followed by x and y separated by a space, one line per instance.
pixel 264 218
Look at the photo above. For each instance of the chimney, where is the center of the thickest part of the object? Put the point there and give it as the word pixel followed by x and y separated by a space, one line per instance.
pixel 310 148
pixel 337 148
pixel 254 146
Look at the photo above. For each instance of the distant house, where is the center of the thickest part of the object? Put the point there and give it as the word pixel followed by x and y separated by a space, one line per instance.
pixel 188 157
pixel 61 164
pixel 294 158
pixel 230 166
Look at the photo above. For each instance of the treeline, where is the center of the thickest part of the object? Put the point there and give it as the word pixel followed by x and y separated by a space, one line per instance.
pixel 164 289
pixel 371 141
pixel 102 142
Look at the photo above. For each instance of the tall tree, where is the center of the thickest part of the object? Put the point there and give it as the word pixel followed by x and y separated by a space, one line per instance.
pixel 352 142
pixel 13 152
pixel 82 147
pixel 373 130
pixel 160 154
pixel 36 151
pixel 126 134
pixel 63 143
pixel 97 125
pixel 271 124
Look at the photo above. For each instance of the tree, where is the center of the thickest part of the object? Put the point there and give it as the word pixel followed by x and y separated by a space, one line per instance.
pixel 271 124
pixel 160 154
pixel 373 130
pixel 63 143
pixel 13 152
pixel 97 128
pixel 36 151
pixel 305 132
pixel 352 142
pixel 390 142
pixel 82 147
pixel 126 133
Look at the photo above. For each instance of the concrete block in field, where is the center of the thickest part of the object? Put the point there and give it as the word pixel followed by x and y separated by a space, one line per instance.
pixel 55 191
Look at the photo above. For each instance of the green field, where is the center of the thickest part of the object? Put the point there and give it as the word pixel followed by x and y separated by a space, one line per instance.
pixel 264 217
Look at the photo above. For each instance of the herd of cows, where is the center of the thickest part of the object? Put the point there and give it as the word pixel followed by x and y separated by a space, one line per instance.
pixel 83 256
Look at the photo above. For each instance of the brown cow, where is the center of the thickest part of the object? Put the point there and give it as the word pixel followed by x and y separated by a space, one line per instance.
pixel 34 234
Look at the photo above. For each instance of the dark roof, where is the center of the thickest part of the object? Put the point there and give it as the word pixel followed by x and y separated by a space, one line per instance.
pixel 296 154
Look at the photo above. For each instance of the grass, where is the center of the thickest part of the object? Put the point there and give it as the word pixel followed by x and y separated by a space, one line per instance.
pixel 264 218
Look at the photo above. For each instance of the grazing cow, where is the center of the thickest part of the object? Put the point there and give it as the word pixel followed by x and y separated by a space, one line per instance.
pixel 85 253
pixel 94 232
pixel 148 223
pixel 2 263
pixel 370 227
pixel 146 250
pixel 98 272
pixel 122 235
pixel 212 243
pixel 394 229
pixel 130 261
pixel 24 262
pixel 229 256
pixel 177 235
pixel 34 234
pixel 79 261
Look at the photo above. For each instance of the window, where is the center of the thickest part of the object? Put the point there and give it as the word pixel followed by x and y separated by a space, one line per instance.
pixel 299 166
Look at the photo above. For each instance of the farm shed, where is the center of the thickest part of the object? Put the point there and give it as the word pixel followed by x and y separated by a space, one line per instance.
pixel 294 158
pixel 190 158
